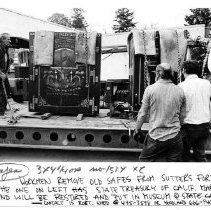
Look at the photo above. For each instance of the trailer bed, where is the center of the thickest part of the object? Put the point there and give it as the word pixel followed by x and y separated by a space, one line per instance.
pixel 66 132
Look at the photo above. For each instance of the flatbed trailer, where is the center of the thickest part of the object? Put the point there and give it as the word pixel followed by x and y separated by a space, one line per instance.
pixel 66 132
pixel 99 133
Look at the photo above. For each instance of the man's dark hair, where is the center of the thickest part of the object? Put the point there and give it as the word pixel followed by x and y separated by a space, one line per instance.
pixel 191 67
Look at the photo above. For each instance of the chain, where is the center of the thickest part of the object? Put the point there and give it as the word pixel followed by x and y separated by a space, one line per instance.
pixel 146 72
pixel 178 60
pixel 206 56
pixel 86 49
pixel 87 70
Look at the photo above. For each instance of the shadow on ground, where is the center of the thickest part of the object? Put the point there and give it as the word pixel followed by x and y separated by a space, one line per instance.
pixel 48 155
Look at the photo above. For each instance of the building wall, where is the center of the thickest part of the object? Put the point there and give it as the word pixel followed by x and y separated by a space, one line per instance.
pixel 118 39
pixel 114 66
pixel 20 25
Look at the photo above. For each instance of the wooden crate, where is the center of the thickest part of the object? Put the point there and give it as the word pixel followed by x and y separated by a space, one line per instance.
pixel 19 88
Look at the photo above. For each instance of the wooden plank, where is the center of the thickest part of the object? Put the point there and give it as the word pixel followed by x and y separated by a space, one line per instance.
pixel 45 116
pixel 79 117
pixel 114 50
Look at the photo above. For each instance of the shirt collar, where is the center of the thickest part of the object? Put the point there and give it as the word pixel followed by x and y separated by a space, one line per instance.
pixel 164 81
pixel 191 76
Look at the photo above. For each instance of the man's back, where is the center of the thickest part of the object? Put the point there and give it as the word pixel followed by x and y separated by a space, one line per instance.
pixel 198 93
pixel 165 100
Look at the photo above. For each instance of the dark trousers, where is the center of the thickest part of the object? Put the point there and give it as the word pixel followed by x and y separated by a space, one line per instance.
pixel 162 151
pixel 3 100
pixel 195 137
pixel 7 87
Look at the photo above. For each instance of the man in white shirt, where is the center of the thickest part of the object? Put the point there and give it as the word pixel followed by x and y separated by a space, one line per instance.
pixel 197 112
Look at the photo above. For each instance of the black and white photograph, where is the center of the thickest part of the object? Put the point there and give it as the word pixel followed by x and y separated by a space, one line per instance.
pixel 93 93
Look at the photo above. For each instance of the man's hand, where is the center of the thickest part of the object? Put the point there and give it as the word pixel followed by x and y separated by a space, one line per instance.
pixel 138 136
